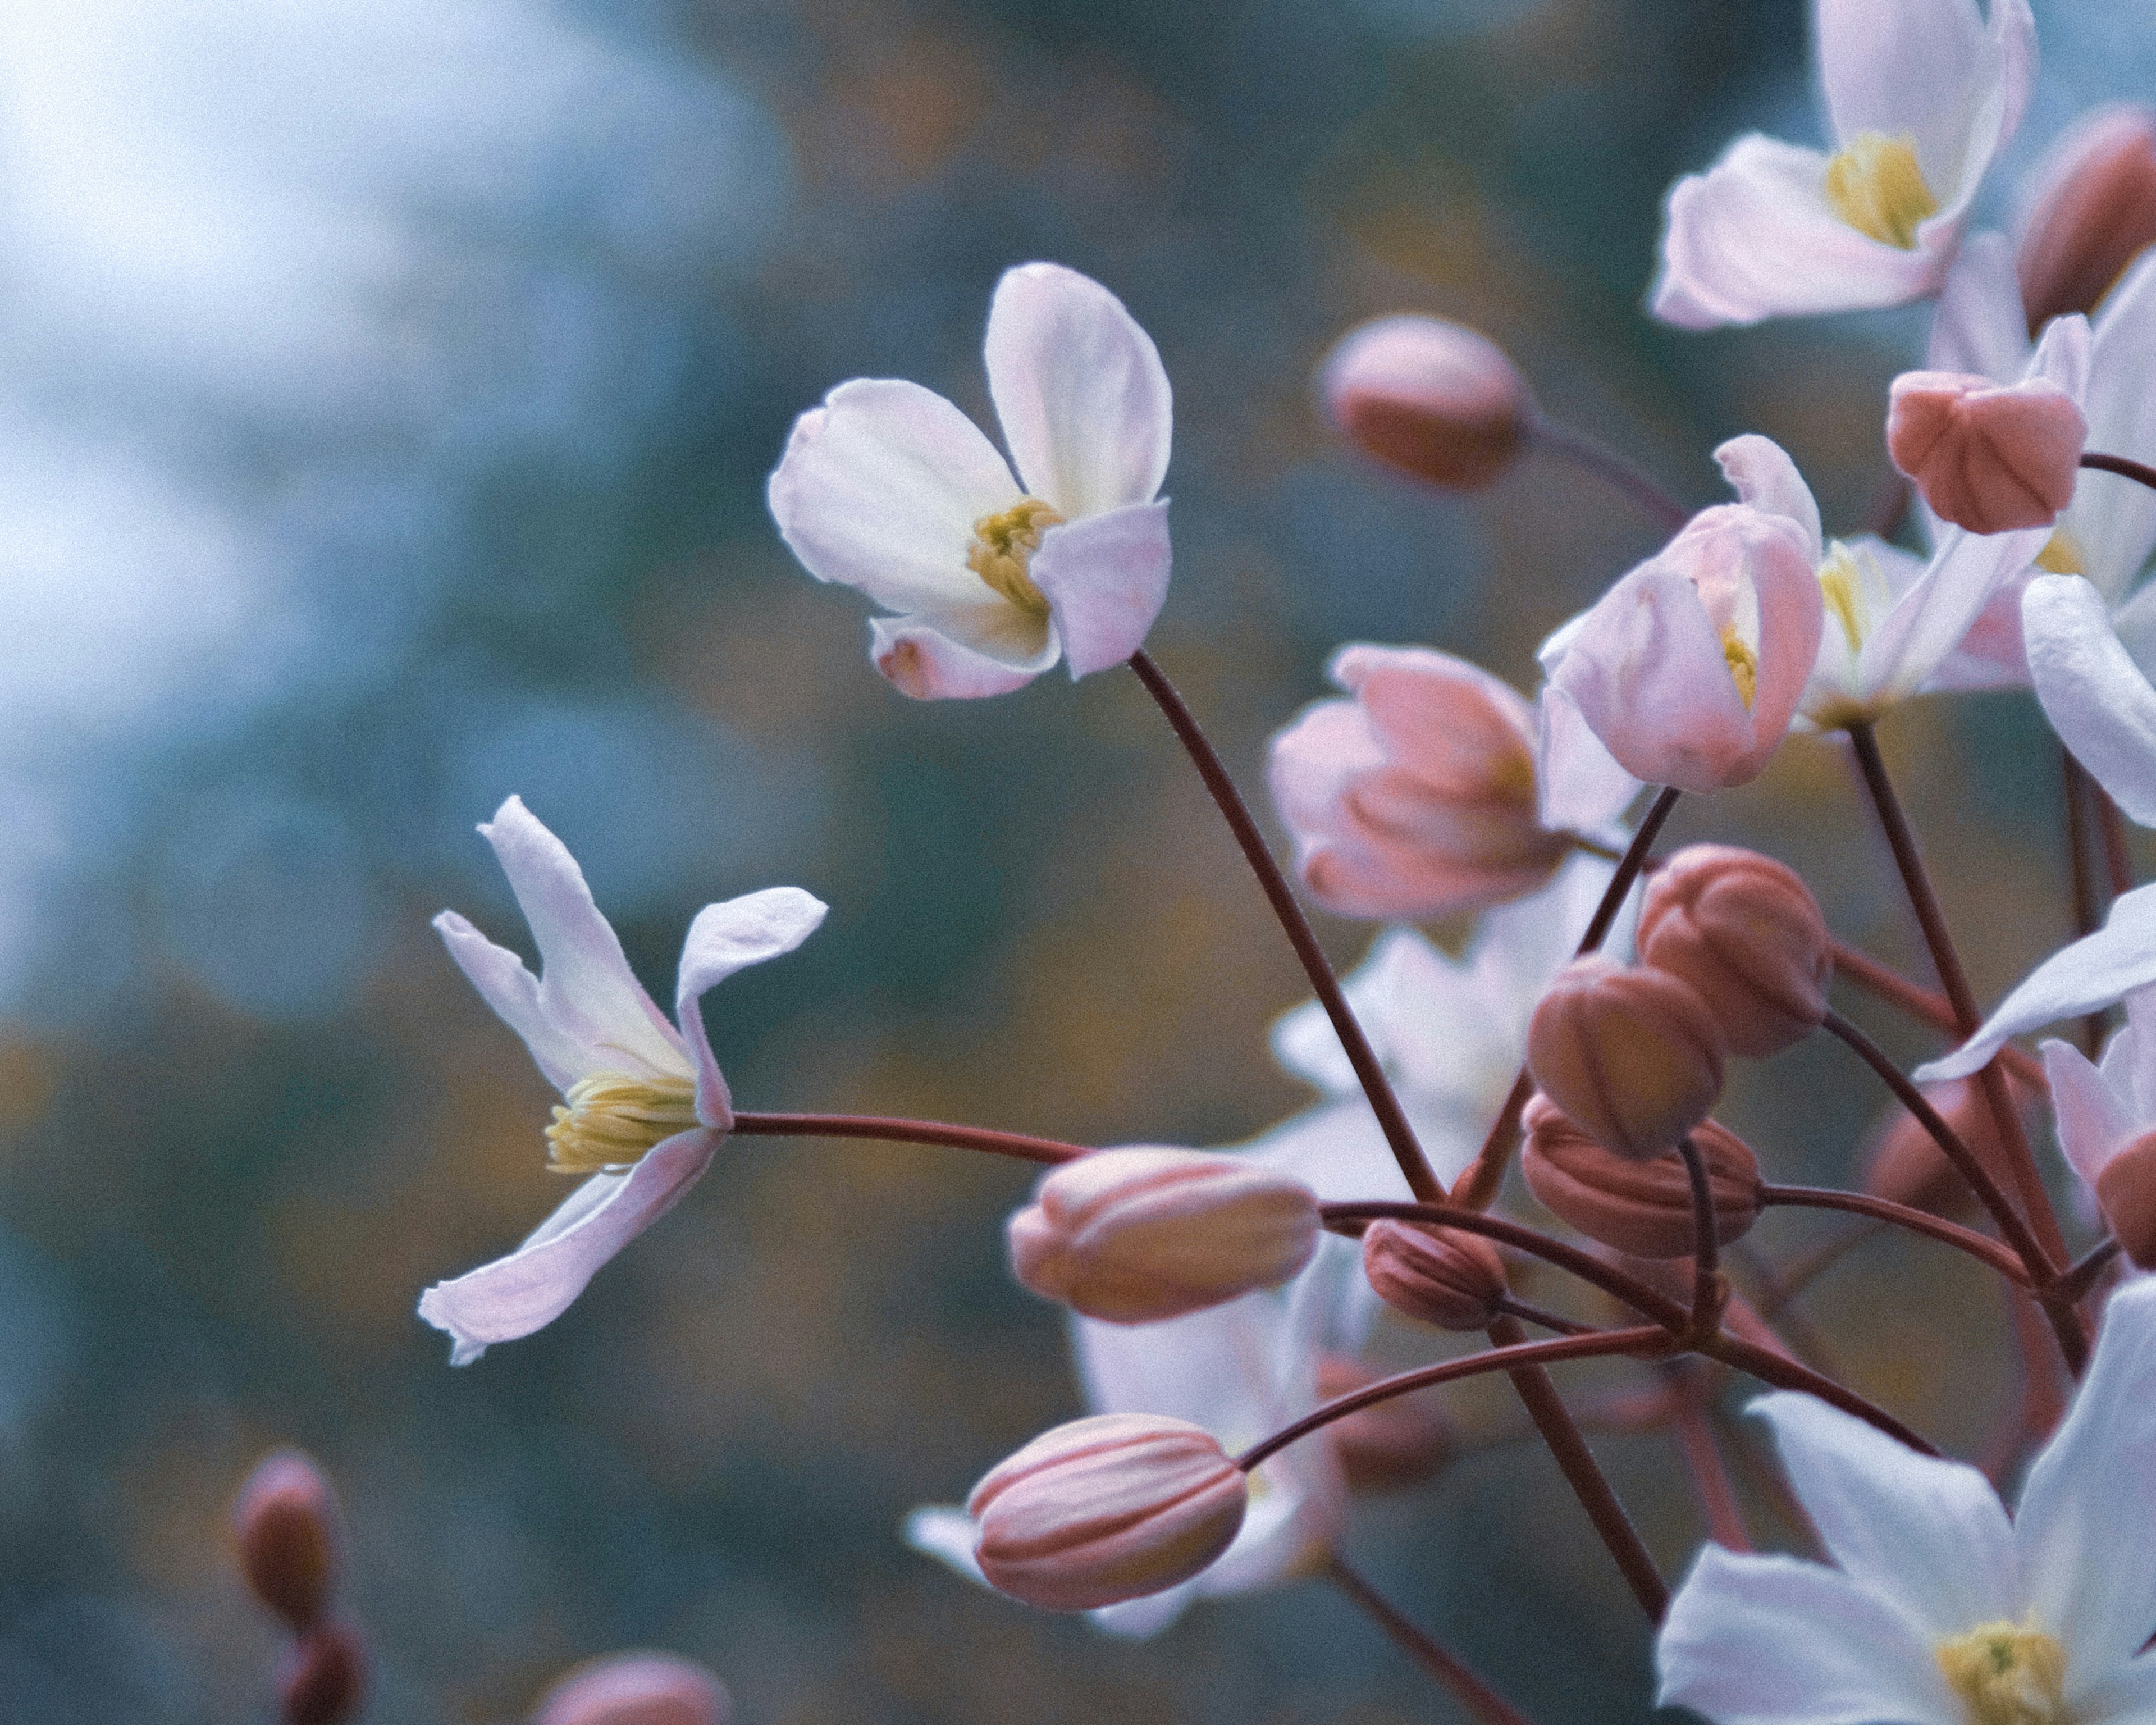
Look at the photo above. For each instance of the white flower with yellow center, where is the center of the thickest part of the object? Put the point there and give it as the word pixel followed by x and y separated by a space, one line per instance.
pixel 889 488
pixel 1920 95
pixel 645 1105
pixel 1938 1609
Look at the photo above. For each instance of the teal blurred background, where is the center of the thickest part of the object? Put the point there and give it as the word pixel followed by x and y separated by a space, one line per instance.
pixel 387 391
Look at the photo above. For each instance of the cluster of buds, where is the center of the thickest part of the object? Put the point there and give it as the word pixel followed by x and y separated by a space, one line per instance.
pixel 286 1529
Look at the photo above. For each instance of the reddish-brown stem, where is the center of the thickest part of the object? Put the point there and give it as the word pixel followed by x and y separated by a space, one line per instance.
pixel 1592 456
pixel 906 1131
pixel 1776 1306
pixel 1928 1005
pixel 1786 1282
pixel 1555 1323
pixel 1985 1250
pixel 1710 1292
pixel 1784 1373
pixel 1477 1698
pixel 2075 1282
pixel 2121 465
pixel 1701 1452
pixel 1392 1118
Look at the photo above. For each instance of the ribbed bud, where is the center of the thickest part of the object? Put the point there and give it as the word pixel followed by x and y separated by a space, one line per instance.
pixel 1907 1166
pixel 1433 399
pixel 1441 1276
pixel 1107 1509
pixel 284 1522
pixel 2092 210
pixel 1642 1208
pixel 1139 1234
pixel 1747 933
pixel 1634 1055
pixel 636 1689
pixel 324 1677
pixel 2125 1188
pixel 1989 457
pixel 1390 1444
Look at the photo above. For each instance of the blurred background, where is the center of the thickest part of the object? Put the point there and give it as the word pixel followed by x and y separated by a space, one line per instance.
pixel 387 391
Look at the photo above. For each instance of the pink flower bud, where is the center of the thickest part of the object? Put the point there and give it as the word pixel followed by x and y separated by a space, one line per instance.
pixel 1989 457
pixel 1441 1276
pixel 636 1689
pixel 1391 1444
pixel 1746 932
pixel 1634 1056
pixel 1642 1207
pixel 1139 1234
pixel 324 1678
pixel 284 1524
pixel 1107 1509
pixel 2091 210
pixel 1907 1166
pixel 2125 1190
pixel 1435 400
pixel 1417 798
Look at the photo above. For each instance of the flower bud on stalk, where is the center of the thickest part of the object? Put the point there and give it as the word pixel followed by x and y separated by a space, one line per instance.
pixel 1907 1166
pixel 2093 211
pixel 1989 457
pixel 1640 1208
pixel 1440 1276
pixel 1634 1055
pixel 1438 401
pixel 1391 1444
pixel 284 1524
pixel 1135 1236
pixel 2125 1190
pixel 324 1679
pixel 1107 1509
pixel 636 1689
pixel 1746 932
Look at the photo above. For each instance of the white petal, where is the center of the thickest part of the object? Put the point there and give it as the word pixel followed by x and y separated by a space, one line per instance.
pixel 1579 786
pixel 880 488
pixel 1761 473
pixel 2127 1696
pixel 2113 519
pixel 2062 356
pixel 1212 1367
pixel 2129 1060
pixel 946 1533
pixel 2093 972
pixel 1914 66
pixel 1772 1640
pixel 1080 390
pixel 723 939
pixel 2092 1119
pixel 2087 1561
pixel 513 992
pixel 1928 1536
pixel 1929 621
pixel 964 653
pixel 536 1284
pixel 2094 695
pixel 1338 1150
pixel 587 990
pixel 1142 1619
pixel 1979 327
pixel 1105 578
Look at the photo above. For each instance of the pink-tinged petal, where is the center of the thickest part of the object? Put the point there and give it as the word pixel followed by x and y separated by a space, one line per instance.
pixel 2093 1118
pixel 513 992
pixel 2129 1058
pixel 1934 617
pixel 1990 656
pixel 1991 458
pixel 1104 577
pixel 1890 68
pixel 1761 473
pixel 723 939
pixel 586 989
pixel 1142 1619
pixel 1080 389
pixel 946 1533
pixel 880 489
pixel 961 653
pixel 1978 325
pixel 1580 786
pixel 2088 1566
pixel 536 1283
pixel 2113 519
pixel 1773 1640
pixel 2094 696
pixel 1753 238
pixel 2064 354
pixel 1928 1536
pixel 2093 972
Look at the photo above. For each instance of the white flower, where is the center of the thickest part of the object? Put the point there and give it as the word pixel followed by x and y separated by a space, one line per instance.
pixel 646 1106
pixel 1938 1610
pixel 2103 1110
pixel 1920 95
pixel 889 488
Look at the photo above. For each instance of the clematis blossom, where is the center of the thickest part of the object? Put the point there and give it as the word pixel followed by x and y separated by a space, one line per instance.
pixel 1920 96
pixel 645 1104
pixel 994 575
pixel 1938 1609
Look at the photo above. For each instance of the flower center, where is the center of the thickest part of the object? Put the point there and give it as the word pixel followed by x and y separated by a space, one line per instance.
pixel 1876 187
pixel 2006 1675
pixel 1838 579
pixel 2061 555
pixel 1743 666
pixel 612 1119
pixel 1004 544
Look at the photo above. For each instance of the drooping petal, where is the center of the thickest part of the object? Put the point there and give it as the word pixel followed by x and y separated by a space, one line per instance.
pixel 1580 786
pixel 880 489
pixel 535 1284
pixel 2091 1117
pixel 1080 390
pixel 1773 1640
pixel 1104 577
pixel 2095 695
pixel 513 992
pixel 723 939
pixel 1926 1535
pixel 1761 473
pixel 961 653
pixel 1929 621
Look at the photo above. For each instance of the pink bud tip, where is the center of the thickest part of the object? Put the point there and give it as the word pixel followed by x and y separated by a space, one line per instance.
pixel 284 1524
pixel 636 1689
pixel 1441 1276
pixel 1747 933
pixel 324 1679
pixel 1107 1509
pixel 2092 211
pixel 1640 1208
pixel 1988 457
pixel 1634 1056
pixel 1435 400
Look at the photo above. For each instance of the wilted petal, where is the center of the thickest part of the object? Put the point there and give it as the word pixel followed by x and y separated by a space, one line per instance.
pixel 962 653
pixel 1105 578
pixel 723 939
pixel 2095 695
pixel 2091 1117
pixel 1761 473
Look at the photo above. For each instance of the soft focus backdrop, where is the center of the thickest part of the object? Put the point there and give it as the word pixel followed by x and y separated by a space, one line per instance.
pixel 387 389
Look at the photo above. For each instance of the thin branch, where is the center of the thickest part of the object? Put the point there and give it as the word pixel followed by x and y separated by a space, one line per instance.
pixel 1482 1702
pixel 1985 1250
pixel 2121 465
pixel 906 1131
pixel 1592 456
pixel 1926 1005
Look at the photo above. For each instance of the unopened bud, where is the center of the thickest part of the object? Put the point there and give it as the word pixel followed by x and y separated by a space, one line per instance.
pixel 1746 932
pixel 1400 1441
pixel 1442 1276
pixel 324 1678
pixel 2125 1189
pixel 2091 211
pixel 1907 1166
pixel 1634 1055
pixel 1989 457
pixel 284 1522
pixel 1433 399
pixel 1107 1509
pixel 1642 1208
pixel 1139 1234
pixel 636 1689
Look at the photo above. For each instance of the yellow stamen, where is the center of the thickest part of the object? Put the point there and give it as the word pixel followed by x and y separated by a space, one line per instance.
pixel 2006 1675
pixel 2061 555
pixel 1877 187
pixel 1743 666
pixel 1004 544
pixel 1838 576
pixel 613 1118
